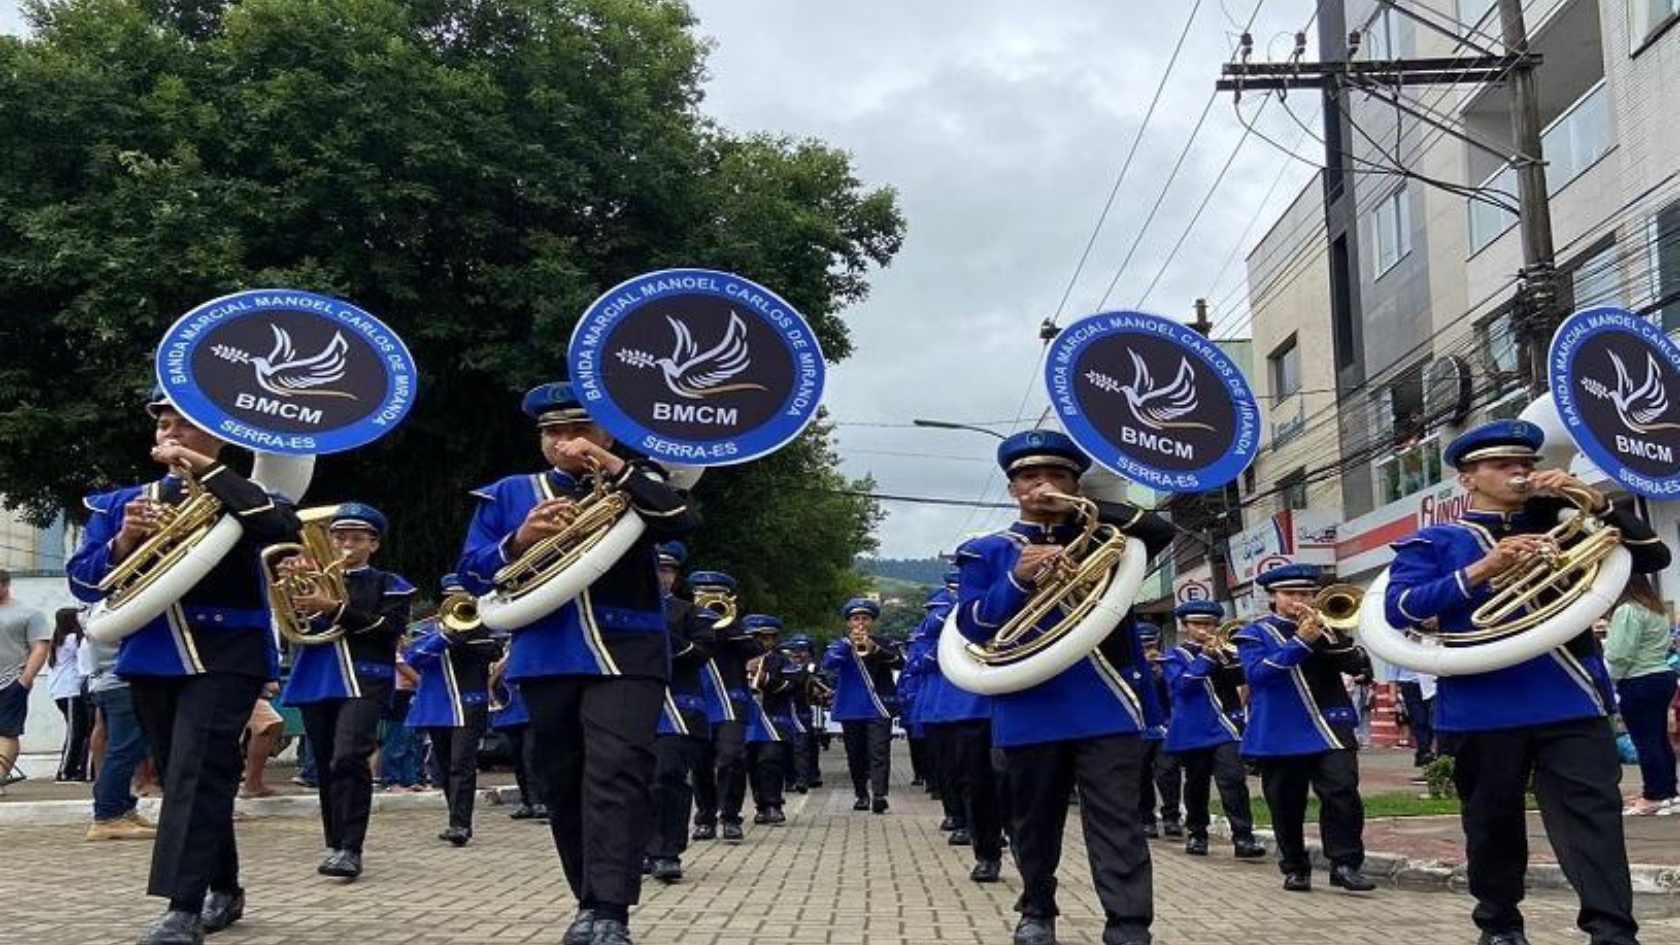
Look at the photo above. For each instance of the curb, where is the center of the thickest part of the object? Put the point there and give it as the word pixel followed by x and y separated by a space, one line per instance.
pixel 1433 874
pixel 77 813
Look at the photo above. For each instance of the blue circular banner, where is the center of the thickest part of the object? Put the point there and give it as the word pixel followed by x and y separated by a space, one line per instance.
pixel 697 367
pixel 1615 379
pixel 287 371
pixel 1153 400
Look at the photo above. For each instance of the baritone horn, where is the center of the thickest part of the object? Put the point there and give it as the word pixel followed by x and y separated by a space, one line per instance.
pixel 1337 607
pixel 320 573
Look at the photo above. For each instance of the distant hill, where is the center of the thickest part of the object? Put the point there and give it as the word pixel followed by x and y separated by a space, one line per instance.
pixel 925 571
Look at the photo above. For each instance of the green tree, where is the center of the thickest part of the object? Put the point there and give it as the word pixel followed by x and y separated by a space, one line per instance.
pixel 473 171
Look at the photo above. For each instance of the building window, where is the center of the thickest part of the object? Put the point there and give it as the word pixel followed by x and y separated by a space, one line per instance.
pixel 1508 407
pixel 1500 352
pixel 1381 36
pixel 1573 142
pixel 1292 490
pixel 1415 467
pixel 1393 230
pixel 1472 11
pixel 1286 369
pixel 1647 18
pixel 1596 279
pixel 1662 241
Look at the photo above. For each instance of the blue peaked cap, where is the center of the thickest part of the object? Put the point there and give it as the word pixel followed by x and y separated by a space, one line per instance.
pixel 1498 439
pixel 359 515
pixel 1041 448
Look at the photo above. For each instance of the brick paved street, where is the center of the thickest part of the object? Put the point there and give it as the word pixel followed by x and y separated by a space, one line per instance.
pixel 830 875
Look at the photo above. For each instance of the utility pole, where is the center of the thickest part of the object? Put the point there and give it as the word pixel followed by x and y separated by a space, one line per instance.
pixel 1536 315
pixel 1201 324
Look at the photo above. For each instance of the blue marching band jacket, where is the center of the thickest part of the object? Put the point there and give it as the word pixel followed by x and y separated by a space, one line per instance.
pixel 454 675
pixel 363 661
pixel 1106 693
pixel 941 701
pixel 1427 581
pixel 617 626
pixel 1206 705
pixel 724 683
pixel 685 711
pixel 864 687
pixel 1297 702
pixel 222 624
pixel 511 712
pixel 770 716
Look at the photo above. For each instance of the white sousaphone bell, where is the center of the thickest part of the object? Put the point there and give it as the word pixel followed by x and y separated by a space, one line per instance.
pixel 1576 608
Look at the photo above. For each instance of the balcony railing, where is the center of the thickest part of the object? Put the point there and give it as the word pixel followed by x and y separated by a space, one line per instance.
pixel 1574 142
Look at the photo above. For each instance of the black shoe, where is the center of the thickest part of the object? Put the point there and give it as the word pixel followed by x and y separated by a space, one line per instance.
pixel 1350 879
pixel 917 782
pixel 985 871
pixel 861 803
pixel 175 927
pixel 344 864
pixel 1248 848
pixel 1172 828
pixel 1297 882
pixel 222 910
pixel 582 929
pixel 762 817
pixel 817 783
pixel 948 824
pixel 704 832
pixel 777 818
pixel 1152 831
pixel 732 833
pixel 610 932
pixel 539 812
pixel 802 788
pixel 456 835
pixel 880 806
pixel 522 812
pixel 647 865
pixel 1513 937
pixel 667 869
pixel 1117 936
pixel 1196 846
pixel 1033 930
pixel 935 794
pixel 959 837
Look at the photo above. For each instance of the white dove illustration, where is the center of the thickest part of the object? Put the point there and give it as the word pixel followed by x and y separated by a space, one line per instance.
pixel 701 375
pixel 286 375
pixel 1160 408
pixel 1637 406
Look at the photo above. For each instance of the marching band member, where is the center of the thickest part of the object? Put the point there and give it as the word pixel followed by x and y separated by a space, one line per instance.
pixel 961 723
pixel 938 693
pixel 803 764
pixel 1545 718
pixel 1301 729
pixel 720 785
pixel 343 688
pixel 452 705
pixel 1082 727
pixel 1205 733
pixel 684 728
pixel 195 672
pixel 1160 774
pixel 910 681
pixel 770 719
pixel 509 716
pixel 593 672
pixel 864 693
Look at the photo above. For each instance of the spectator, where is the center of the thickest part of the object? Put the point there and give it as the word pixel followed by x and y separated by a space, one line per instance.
pixel 263 731
pixel 116 811
pixel 25 640
pixel 1636 651
pixel 1417 694
pixel 66 685
pixel 403 746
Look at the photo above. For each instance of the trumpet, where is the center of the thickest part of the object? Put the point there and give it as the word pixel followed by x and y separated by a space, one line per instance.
pixel 458 614
pixel 1219 641
pixel 863 644
pixel 818 692
pixel 719 600
pixel 759 674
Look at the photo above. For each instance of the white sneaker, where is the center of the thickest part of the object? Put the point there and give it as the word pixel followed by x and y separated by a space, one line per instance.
pixel 1669 808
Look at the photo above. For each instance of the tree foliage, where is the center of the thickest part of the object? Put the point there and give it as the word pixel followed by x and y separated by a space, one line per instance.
pixel 473 171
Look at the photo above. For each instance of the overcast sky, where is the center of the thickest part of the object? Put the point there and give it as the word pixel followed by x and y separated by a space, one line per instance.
pixel 1002 125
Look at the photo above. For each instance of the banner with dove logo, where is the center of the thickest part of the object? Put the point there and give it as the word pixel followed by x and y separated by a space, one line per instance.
pixel 287 371
pixel 1153 401
pixel 697 367
pixel 1615 378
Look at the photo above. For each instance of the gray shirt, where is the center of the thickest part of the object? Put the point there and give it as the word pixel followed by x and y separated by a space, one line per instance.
pixel 20 625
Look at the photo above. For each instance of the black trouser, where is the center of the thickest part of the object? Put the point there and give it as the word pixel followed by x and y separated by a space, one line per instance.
pixel 1161 774
pixel 940 750
pixel 1221 764
pixel 523 749
pixel 920 767
pixel 1334 777
pixel 868 755
pixel 1576 776
pixel 456 754
pixel 676 758
pixel 809 750
pixel 1419 715
pixel 78 726
pixel 764 763
pixel 969 776
pixel 345 732
pixel 595 758
pixel 1105 769
pixel 793 758
pixel 194 724
pixel 720 780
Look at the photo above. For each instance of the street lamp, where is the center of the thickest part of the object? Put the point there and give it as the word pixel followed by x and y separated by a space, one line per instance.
pixel 951 425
